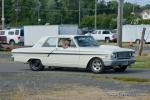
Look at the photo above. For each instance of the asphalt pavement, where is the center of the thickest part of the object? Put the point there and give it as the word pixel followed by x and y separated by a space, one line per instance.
pixel 21 67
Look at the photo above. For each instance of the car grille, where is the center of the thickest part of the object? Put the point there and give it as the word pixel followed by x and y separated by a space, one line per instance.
pixel 124 55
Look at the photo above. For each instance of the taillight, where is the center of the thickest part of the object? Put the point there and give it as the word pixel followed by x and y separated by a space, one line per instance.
pixel 19 38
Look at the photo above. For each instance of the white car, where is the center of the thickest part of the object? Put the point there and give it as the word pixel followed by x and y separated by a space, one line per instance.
pixel 83 52
pixel 104 35
pixel 13 36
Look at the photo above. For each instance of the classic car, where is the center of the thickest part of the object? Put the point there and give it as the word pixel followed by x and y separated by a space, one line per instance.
pixel 74 51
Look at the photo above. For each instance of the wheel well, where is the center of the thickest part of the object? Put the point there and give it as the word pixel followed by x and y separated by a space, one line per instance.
pixel 107 38
pixel 91 60
pixel 32 59
pixel 137 40
pixel 11 40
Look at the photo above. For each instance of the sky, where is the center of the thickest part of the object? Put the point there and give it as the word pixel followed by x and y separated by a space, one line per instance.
pixel 140 2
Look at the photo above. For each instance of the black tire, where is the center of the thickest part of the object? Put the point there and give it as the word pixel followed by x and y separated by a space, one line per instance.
pixel 96 65
pixel 107 40
pixel 120 69
pixel 138 41
pixel 12 42
pixel 36 65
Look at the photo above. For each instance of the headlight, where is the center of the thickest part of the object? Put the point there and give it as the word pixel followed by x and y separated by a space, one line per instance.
pixel 133 54
pixel 114 55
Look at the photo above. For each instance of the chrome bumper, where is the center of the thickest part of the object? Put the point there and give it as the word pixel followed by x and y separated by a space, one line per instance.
pixel 119 62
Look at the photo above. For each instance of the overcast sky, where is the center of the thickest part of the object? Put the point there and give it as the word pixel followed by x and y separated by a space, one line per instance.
pixel 141 2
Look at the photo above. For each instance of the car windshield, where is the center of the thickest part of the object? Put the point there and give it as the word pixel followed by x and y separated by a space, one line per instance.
pixel 86 41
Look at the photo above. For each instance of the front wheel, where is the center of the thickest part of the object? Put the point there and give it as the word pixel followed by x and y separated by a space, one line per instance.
pixel 120 69
pixel 36 65
pixel 96 65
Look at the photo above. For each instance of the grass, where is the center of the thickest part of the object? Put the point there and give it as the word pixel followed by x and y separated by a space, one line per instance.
pixel 142 61
pixel 5 59
pixel 127 79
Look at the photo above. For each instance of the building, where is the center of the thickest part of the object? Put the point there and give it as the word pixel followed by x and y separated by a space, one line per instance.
pixel 145 14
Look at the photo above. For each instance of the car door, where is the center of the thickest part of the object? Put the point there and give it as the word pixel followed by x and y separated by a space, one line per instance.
pixel 105 34
pixel 97 35
pixel 65 57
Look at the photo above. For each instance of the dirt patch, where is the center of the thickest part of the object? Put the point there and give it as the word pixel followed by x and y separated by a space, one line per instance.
pixel 73 93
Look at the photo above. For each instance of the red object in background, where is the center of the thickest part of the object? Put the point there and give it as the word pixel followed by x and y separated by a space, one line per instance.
pixel 19 38
pixel 7 47
pixel 3 39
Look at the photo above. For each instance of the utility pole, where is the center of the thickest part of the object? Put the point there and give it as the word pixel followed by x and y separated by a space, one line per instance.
pixel 3 18
pixel 142 42
pixel 120 22
pixel 95 14
pixel 38 11
pixel 79 13
pixel 17 11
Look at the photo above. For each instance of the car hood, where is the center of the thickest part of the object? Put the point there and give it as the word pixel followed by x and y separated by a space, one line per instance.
pixel 105 49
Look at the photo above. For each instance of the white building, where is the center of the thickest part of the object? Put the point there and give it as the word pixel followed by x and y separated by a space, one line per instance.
pixel 146 14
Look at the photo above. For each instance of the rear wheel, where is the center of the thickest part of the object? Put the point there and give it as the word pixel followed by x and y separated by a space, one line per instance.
pixel 12 42
pixel 137 41
pixel 120 69
pixel 96 65
pixel 36 65
pixel 107 40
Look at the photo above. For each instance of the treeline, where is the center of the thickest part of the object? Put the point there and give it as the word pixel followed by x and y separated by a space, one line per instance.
pixel 33 12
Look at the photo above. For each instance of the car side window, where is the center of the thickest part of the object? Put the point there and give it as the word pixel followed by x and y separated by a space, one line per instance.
pixel 94 32
pixel 2 32
pixel 50 42
pixel 99 32
pixel 10 33
pixel 22 33
pixel 66 42
pixel 17 32
pixel 106 32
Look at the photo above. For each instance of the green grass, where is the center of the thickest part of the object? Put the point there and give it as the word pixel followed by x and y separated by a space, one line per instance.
pixel 127 79
pixel 142 61
pixel 5 59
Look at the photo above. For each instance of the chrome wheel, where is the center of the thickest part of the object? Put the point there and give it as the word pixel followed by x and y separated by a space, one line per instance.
pixel 35 65
pixel 12 43
pixel 96 65
pixel 107 40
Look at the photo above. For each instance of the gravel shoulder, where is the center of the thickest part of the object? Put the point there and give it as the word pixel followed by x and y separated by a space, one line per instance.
pixel 67 86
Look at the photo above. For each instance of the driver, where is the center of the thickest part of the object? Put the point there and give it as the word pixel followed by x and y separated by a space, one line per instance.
pixel 66 43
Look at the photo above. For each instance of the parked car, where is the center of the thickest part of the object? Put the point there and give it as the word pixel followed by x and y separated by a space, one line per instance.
pixel 13 36
pixel 104 35
pixel 83 52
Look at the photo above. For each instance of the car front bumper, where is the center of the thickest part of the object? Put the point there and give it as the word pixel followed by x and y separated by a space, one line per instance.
pixel 114 63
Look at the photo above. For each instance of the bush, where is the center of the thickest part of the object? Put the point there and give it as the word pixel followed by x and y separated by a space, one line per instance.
pixel 103 21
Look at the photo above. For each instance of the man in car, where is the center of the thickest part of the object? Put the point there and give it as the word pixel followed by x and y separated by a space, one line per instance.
pixel 66 43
